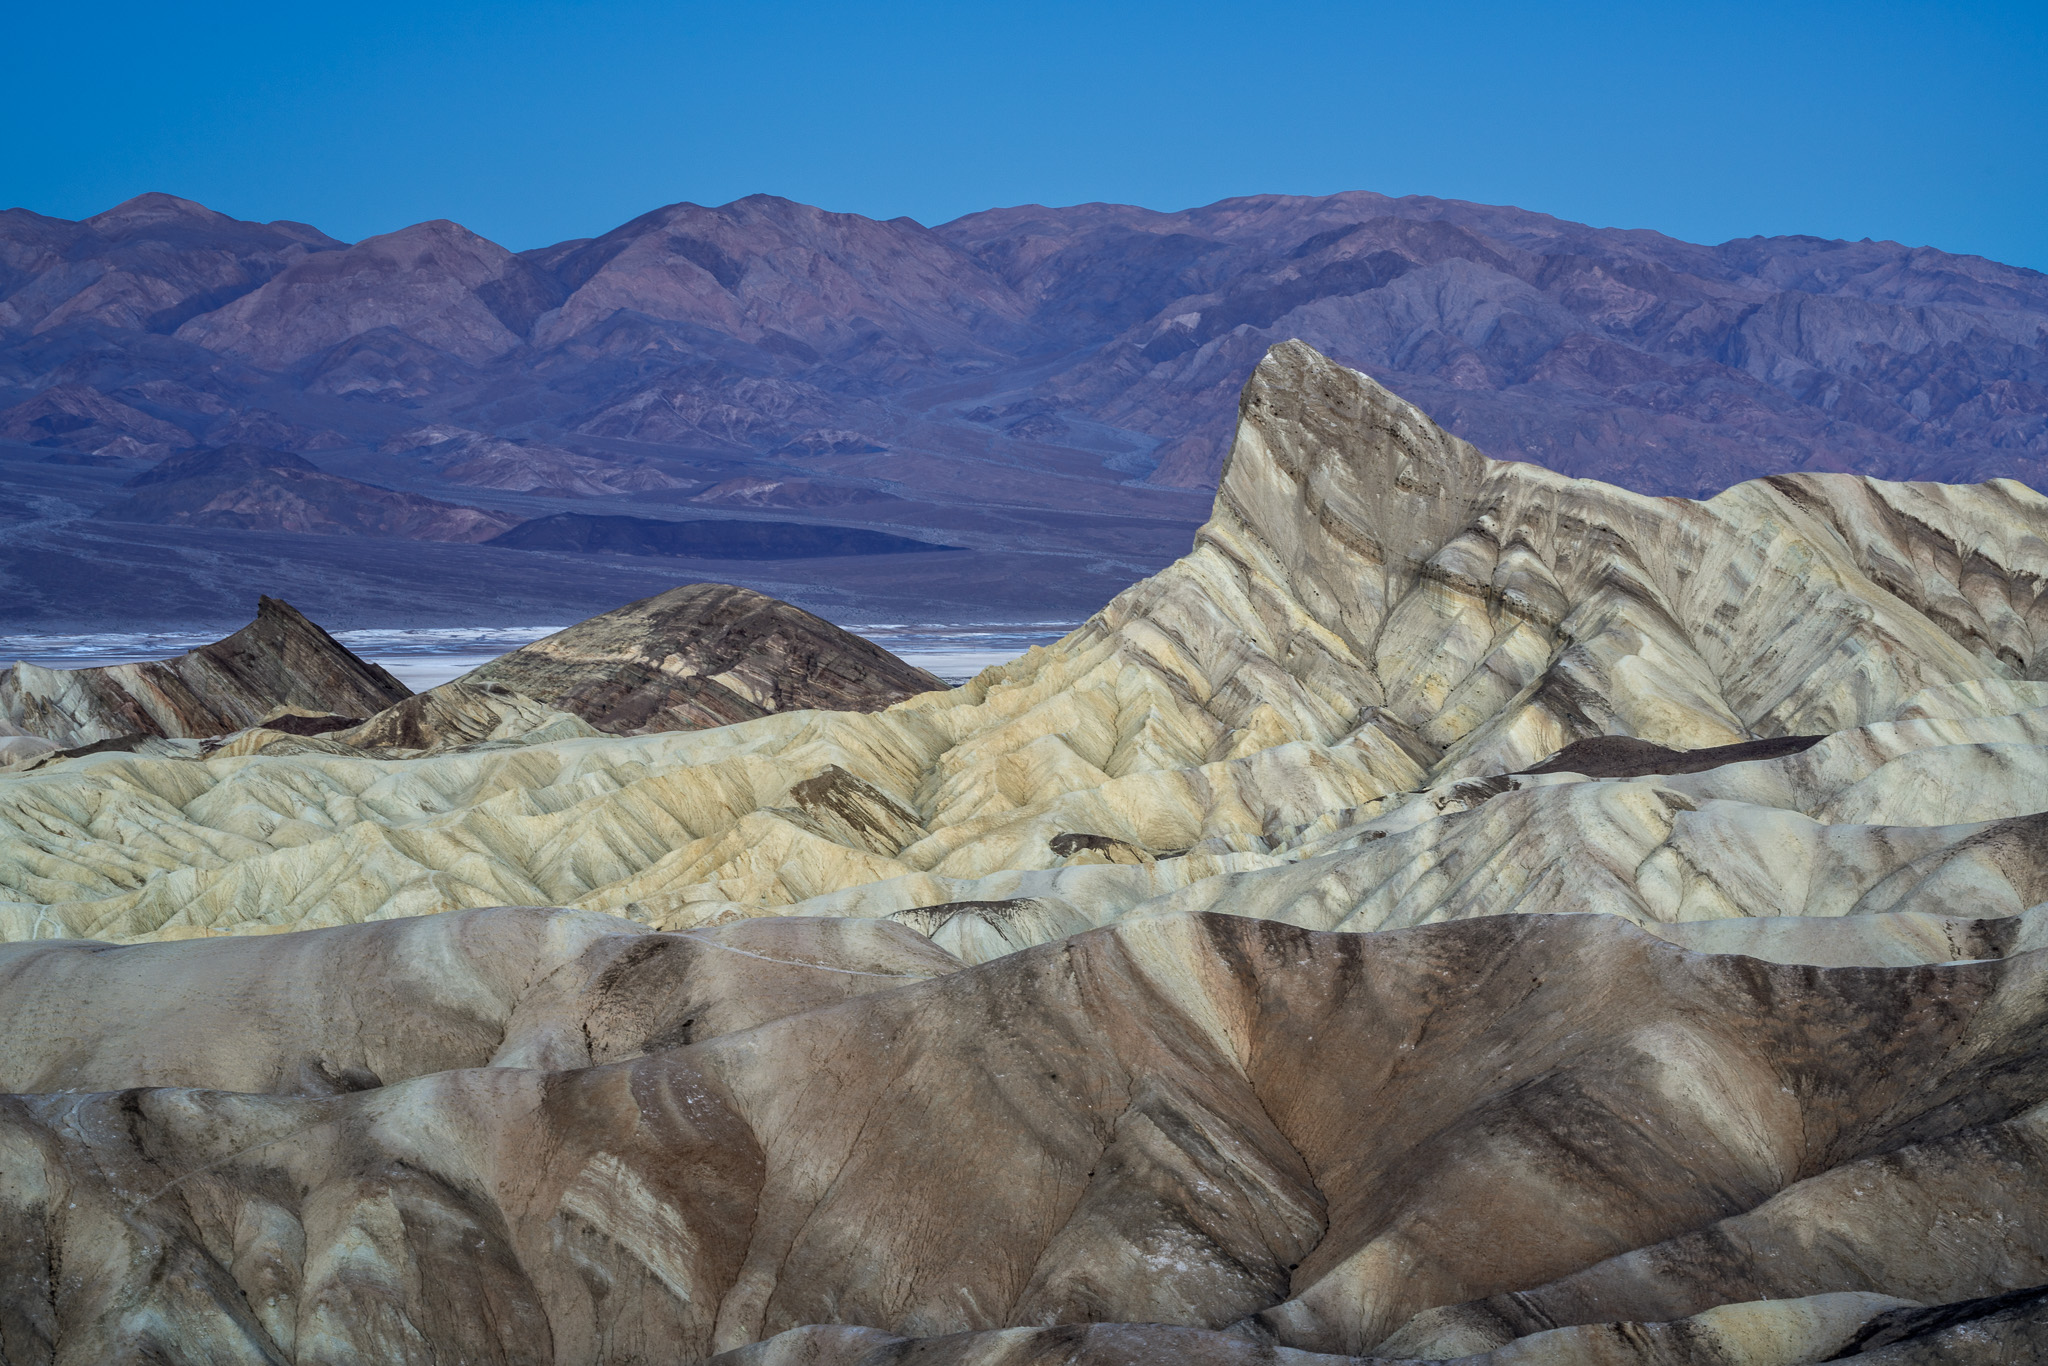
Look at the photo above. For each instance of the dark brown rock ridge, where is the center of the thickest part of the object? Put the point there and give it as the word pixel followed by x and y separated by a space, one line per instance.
pixel 1624 756
pixel 529 1136
pixel 279 660
pixel 705 654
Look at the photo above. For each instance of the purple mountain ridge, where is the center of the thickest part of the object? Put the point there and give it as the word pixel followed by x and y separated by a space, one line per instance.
pixel 1025 382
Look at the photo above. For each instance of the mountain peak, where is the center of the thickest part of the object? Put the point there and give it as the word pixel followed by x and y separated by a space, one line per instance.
pixel 156 207
pixel 436 230
pixel 154 213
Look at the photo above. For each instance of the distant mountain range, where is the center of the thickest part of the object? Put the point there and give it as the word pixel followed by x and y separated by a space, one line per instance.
pixel 1053 389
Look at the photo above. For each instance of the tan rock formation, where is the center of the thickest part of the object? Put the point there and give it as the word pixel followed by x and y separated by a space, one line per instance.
pixel 1217 985
pixel 1211 1122
pixel 1376 627
pixel 368 1005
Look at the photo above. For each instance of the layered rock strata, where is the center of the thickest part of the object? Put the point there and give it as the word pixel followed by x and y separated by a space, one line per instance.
pixel 1454 913
pixel 536 1136
pixel 280 660
pixel 1379 627
pixel 704 654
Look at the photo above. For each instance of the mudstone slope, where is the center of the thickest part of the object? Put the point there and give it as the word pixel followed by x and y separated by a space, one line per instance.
pixel 1247 978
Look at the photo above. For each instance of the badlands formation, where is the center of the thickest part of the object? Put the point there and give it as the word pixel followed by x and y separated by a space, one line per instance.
pixel 280 661
pixel 1455 912
pixel 706 654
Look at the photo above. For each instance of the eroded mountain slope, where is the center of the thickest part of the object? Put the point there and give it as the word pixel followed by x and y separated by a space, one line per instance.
pixel 1099 1011
pixel 1204 1121
pixel 705 654
pixel 278 661
pixel 1375 619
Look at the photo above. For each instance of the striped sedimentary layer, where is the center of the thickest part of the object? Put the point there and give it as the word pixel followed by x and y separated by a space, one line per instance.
pixel 1378 628
pixel 1217 985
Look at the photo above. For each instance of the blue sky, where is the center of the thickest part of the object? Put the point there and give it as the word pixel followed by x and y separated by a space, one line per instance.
pixel 536 122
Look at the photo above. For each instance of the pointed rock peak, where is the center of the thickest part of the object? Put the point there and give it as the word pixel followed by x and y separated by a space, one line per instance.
pixel 285 656
pixel 1332 435
pixel 279 660
pixel 278 618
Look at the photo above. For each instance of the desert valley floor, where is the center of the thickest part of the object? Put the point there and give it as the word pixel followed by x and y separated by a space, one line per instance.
pixel 1455 912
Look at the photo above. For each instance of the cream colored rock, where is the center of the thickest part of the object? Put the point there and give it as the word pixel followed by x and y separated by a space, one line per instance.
pixel 1375 609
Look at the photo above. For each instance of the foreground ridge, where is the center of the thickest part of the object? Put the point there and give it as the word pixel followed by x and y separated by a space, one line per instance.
pixel 1216 985
pixel 621 1144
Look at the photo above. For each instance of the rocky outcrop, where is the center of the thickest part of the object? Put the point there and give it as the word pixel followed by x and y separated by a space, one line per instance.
pixel 278 661
pixel 1456 912
pixel 1378 629
pixel 705 654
